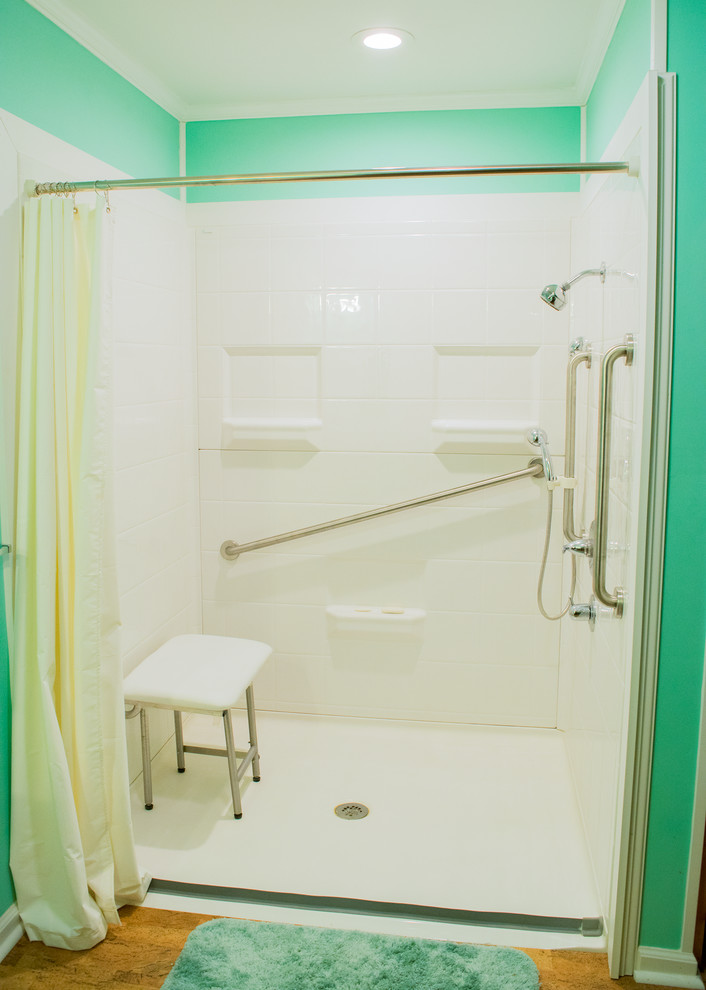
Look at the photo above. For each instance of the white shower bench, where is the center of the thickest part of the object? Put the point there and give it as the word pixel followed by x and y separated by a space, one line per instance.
pixel 203 674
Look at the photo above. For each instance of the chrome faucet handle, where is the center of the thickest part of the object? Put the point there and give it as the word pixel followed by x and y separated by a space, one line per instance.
pixel 582 547
pixel 584 612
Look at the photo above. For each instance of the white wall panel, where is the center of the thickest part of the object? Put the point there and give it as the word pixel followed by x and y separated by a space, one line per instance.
pixel 379 322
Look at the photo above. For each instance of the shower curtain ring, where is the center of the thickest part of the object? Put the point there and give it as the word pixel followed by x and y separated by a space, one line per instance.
pixel 105 194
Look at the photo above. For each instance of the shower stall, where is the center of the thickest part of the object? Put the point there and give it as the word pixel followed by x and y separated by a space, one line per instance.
pixel 289 376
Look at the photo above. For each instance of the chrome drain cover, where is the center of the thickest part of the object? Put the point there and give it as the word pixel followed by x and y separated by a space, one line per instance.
pixel 352 810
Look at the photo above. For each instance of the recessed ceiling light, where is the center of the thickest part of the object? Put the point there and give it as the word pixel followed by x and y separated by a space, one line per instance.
pixel 382 39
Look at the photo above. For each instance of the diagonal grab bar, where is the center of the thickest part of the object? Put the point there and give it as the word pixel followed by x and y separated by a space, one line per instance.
pixel 231 550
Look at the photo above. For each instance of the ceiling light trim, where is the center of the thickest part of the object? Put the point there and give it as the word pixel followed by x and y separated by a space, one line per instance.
pixel 97 44
pixel 386 104
pixel 594 56
pixel 363 37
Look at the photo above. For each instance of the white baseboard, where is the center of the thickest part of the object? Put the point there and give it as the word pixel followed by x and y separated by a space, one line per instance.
pixel 11 930
pixel 667 967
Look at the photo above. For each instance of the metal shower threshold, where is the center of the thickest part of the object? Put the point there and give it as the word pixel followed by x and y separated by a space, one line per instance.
pixel 587 927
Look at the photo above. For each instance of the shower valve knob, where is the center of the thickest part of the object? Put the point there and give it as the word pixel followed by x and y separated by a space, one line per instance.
pixel 586 613
pixel 582 548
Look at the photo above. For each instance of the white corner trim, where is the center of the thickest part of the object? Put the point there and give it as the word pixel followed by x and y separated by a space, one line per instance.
pixel 667 967
pixel 11 930
pixel 596 53
pixel 98 44
pixel 567 97
pixel 59 13
pixel 658 53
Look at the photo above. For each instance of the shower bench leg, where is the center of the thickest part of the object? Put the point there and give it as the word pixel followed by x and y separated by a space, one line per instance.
pixel 179 739
pixel 146 759
pixel 252 734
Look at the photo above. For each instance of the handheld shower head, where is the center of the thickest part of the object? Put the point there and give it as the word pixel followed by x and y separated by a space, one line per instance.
pixel 555 295
pixel 538 438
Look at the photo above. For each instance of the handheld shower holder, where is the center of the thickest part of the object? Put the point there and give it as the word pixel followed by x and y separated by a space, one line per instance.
pixel 538 438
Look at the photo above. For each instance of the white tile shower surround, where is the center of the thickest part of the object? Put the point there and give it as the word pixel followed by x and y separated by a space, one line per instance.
pixel 410 337
pixel 155 435
pixel 483 654
pixel 470 817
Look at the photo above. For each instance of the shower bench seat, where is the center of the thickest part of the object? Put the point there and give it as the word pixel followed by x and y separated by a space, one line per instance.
pixel 206 675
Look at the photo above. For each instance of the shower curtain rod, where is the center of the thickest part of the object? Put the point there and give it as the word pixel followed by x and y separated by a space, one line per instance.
pixel 67 188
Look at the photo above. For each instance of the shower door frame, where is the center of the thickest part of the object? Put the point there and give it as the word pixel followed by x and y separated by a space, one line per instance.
pixel 632 818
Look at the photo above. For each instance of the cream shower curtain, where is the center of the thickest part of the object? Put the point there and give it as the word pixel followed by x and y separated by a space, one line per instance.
pixel 72 852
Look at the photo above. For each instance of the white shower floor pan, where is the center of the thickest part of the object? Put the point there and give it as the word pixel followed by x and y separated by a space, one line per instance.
pixel 471 818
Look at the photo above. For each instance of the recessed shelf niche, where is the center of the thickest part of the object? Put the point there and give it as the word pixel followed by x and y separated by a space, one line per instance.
pixel 273 398
pixel 487 396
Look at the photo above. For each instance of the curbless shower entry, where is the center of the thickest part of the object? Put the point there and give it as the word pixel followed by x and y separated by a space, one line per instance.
pixel 429 851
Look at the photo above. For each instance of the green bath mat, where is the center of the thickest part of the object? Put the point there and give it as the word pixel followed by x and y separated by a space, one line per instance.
pixel 251 955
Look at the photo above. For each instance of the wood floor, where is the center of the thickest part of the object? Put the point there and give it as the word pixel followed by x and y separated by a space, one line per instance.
pixel 140 953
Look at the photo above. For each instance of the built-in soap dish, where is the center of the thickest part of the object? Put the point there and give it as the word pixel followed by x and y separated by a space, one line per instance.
pixel 381 620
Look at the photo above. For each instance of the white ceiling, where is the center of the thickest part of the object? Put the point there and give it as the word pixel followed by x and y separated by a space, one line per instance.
pixel 228 58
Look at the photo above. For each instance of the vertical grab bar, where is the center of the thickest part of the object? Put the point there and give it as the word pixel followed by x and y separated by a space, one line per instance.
pixel 570 454
pixel 616 599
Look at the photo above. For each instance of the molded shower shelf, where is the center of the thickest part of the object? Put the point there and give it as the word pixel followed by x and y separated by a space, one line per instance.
pixel 487 350
pixel 270 432
pixel 470 433
pixel 352 619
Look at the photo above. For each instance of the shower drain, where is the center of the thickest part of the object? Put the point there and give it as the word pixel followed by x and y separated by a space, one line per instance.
pixel 351 810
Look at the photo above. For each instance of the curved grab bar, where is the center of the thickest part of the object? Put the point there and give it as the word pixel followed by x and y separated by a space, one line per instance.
pixel 570 453
pixel 613 600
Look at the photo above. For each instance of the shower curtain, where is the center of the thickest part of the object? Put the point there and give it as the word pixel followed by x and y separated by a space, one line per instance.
pixel 71 848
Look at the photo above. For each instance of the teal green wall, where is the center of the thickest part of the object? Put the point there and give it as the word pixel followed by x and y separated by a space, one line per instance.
pixel 625 65
pixel 376 140
pixel 51 81
pixel 684 605
pixel 6 891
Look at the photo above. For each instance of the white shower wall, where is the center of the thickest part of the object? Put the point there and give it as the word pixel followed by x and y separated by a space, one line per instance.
pixel 358 352
pixel 155 435
pixel 155 426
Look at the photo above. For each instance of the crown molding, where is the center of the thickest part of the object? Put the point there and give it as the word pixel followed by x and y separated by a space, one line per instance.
pixel 385 104
pixel 97 44
pixel 593 58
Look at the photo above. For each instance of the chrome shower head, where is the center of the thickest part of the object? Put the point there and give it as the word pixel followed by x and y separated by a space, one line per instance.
pixel 555 295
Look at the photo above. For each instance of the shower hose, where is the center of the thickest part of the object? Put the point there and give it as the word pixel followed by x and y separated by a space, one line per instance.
pixel 542 569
